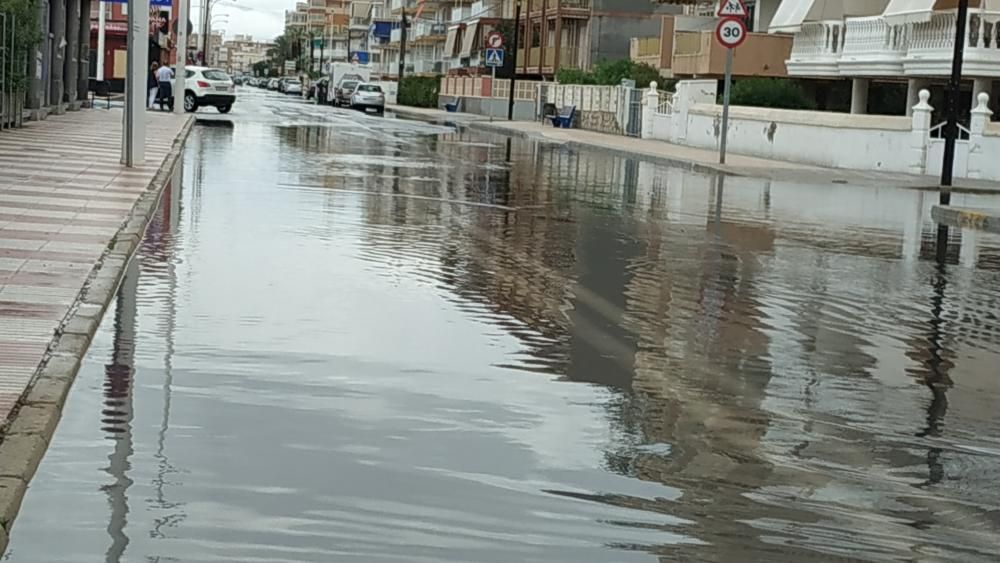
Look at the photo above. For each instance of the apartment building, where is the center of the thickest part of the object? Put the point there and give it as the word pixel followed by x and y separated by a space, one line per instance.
pixel 425 39
pixel 909 41
pixel 322 27
pixel 240 53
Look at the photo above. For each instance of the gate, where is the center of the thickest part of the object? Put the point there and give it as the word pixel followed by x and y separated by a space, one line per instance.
pixel 935 152
pixel 633 112
pixel 543 98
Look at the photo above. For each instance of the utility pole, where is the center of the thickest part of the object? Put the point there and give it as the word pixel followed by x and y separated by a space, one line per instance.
pixel 402 46
pixel 954 87
pixel 206 38
pixel 136 95
pixel 951 124
pixel 514 47
pixel 182 44
pixel 102 22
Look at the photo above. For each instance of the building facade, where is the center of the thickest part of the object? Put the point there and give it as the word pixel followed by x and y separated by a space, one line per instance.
pixel 239 54
pixel 891 41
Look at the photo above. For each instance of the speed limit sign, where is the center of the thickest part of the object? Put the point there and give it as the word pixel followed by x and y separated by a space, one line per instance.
pixel 731 32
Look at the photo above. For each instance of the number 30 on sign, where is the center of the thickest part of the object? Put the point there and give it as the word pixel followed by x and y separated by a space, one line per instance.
pixel 731 32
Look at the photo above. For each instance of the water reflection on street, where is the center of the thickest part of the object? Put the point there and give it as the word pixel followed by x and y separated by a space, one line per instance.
pixel 353 339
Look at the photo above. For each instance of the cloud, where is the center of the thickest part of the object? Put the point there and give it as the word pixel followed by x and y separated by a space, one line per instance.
pixel 263 19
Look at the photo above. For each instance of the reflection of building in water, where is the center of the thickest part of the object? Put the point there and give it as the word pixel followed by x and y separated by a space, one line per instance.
pixel 745 372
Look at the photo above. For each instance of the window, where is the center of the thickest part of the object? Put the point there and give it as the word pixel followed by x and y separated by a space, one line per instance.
pixel 369 88
pixel 536 35
pixel 213 74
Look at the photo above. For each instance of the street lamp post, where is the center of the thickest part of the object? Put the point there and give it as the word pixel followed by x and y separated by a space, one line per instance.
pixel 182 44
pixel 513 48
pixel 951 104
pixel 951 124
pixel 136 94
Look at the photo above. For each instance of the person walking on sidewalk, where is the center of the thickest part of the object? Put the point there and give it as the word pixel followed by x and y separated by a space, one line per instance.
pixel 165 77
pixel 151 84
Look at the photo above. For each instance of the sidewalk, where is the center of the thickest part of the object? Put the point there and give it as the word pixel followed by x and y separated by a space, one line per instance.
pixel 700 160
pixel 70 216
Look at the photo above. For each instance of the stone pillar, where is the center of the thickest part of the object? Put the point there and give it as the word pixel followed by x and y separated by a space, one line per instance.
pixel 859 95
pixel 650 105
pixel 83 68
pixel 977 127
pixel 38 63
pixel 71 62
pixel 913 88
pixel 57 87
pixel 920 134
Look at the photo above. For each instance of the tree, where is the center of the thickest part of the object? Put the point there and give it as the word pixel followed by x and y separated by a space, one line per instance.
pixel 26 36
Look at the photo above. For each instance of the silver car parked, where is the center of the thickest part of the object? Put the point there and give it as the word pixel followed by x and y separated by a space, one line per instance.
pixel 368 96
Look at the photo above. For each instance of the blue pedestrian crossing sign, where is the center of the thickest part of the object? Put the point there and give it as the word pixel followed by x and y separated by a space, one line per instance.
pixel 494 57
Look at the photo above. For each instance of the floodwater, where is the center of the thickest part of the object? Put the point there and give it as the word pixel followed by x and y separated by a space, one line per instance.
pixel 355 339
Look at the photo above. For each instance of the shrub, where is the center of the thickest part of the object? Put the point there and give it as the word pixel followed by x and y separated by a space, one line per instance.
pixel 611 73
pixel 419 91
pixel 770 93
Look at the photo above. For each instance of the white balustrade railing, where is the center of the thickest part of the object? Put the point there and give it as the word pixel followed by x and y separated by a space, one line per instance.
pixel 818 39
pixel 936 35
pixel 872 35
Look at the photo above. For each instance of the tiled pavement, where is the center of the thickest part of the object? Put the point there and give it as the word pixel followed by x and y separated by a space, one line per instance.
pixel 63 197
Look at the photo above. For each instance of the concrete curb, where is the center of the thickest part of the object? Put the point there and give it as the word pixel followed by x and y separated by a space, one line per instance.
pixel 683 164
pixel 30 428
pixel 979 219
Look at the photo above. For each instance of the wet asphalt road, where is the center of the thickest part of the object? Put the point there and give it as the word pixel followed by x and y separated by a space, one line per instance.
pixel 347 338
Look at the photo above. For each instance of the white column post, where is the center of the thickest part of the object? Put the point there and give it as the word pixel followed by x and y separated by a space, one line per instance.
pixel 102 22
pixel 913 88
pixel 136 95
pixel 182 43
pixel 980 86
pixel 977 127
pixel 920 133
pixel 859 96
pixel 650 105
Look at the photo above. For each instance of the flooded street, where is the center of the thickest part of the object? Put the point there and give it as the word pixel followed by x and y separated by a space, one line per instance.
pixel 354 339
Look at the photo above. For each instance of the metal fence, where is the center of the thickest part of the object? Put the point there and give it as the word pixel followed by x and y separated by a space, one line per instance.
pixel 10 98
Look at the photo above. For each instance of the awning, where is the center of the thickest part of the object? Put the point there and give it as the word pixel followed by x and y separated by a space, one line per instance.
pixel 792 14
pixel 920 11
pixel 451 43
pixel 469 41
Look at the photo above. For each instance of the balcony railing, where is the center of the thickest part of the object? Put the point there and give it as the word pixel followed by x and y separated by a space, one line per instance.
pixel 871 46
pixel 818 39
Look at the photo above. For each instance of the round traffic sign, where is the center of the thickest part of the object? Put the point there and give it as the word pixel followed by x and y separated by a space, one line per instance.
pixel 494 40
pixel 731 32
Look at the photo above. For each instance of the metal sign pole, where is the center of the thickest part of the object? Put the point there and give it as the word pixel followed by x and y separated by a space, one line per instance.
pixel 725 106
pixel 493 95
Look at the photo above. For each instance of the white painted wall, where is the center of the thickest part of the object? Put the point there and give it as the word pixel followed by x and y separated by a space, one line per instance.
pixel 825 139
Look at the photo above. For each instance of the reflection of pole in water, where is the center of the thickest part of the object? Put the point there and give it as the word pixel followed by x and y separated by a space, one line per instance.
pixel 720 187
pixel 936 379
pixel 164 467
pixel 117 414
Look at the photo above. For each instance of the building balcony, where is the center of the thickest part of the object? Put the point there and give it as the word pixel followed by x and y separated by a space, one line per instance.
pixel 816 49
pixel 421 32
pixel 871 47
pixel 697 53
pixel 565 6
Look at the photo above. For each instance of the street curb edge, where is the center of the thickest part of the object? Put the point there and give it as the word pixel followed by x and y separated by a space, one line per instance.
pixel 31 425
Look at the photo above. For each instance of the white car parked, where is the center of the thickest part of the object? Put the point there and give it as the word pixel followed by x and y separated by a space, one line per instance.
pixel 293 87
pixel 368 96
pixel 205 86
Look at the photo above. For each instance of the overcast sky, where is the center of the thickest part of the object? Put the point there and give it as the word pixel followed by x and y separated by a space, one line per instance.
pixel 264 19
